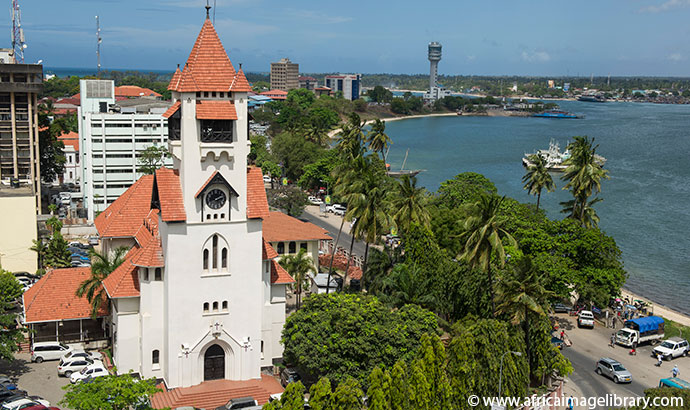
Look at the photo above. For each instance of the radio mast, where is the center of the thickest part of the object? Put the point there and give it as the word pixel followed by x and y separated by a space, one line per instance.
pixel 98 45
pixel 18 44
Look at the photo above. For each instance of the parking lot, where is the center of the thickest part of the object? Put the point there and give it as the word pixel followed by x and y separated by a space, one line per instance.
pixel 40 379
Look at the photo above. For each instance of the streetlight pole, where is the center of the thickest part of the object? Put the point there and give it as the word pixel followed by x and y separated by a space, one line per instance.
pixel 500 378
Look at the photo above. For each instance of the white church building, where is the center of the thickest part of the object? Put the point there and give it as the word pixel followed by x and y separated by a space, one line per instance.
pixel 199 296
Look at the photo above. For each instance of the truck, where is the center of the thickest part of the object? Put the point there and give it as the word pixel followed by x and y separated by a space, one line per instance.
pixel 641 330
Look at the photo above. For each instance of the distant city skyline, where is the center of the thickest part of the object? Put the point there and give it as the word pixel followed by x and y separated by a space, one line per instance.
pixel 500 37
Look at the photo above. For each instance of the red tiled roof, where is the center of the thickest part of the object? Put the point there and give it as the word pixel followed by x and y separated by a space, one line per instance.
pixel 279 276
pixel 215 110
pixel 175 80
pixel 257 204
pixel 73 100
pixel 208 67
pixel 219 178
pixel 275 94
pixel 70 138
pixel 134 91
pixel 123 217
pixel 240 83
pixel 172 110
pixel 151 251
pixel 268 252
pixel 279 227
pixel 340 262
pixel 170 195
pixel 124 280
pixel 53 297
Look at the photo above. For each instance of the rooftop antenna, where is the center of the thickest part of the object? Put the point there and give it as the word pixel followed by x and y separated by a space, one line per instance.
pixel 98 45
pixel 207 9
pixel 214 12
pixel 18 44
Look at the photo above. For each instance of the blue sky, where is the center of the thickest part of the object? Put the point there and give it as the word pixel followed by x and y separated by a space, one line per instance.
pixel 479 37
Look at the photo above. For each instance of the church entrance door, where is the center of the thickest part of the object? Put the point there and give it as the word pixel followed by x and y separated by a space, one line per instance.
pixel 214 363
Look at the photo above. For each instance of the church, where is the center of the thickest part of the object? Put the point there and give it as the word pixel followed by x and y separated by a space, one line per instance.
pixel 200 295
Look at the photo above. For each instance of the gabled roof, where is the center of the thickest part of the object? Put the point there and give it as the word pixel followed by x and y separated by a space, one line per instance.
pixel 215 110
pixel 208 67
pixel 268 252
pixel 124 280
pixel 124 216
pixel 172 110
pixel 279 276
pixel 151 251
pixel 53 297
pixel 279 227
pixel 169 191
pixel 175 80
pixel 216 178
pixel 240 83
pixel 257 204
pixel 134 91
pixel 70 139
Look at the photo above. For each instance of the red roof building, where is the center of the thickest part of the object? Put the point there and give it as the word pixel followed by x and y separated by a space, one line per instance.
pixel 275 94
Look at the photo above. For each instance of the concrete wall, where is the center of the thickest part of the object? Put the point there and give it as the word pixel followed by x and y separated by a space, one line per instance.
pixel 18 224
pixel 126 337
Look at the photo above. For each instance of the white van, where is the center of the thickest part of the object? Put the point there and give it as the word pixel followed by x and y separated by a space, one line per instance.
pixel 41 351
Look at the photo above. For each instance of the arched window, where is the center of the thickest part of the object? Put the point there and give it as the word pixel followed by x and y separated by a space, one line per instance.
pixel 292 247
pixel 281 248
pixel 224 258
pixel 225 305
pixel 155 357
pixel 215 252
pixel 159 274
pixel 303 245
pixel 205 307
pixel 215 306
pixel 206 259
pixel 145 274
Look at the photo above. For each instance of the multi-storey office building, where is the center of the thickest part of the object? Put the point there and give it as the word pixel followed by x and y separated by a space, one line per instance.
pixel 284 75
pixel 349 84
pixel 112 137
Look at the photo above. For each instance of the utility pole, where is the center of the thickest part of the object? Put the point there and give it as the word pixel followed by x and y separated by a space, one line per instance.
pixel 18 44
pixel 98 45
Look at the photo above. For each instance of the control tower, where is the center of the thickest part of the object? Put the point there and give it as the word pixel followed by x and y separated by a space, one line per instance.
pixel 434 58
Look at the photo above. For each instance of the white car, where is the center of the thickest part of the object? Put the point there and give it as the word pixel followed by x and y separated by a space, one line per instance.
pixel 585 319
pixel 267 178
pixel 80 353
pixel 24 402
pixel 74 365
pixel 315 200
pixel 91 371
pixel 672 348
pixel 337 209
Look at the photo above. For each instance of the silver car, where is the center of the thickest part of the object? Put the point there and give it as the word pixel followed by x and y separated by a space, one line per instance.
pixel 613 370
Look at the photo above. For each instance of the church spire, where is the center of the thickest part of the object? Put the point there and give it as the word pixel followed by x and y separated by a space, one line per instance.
pixel 208 8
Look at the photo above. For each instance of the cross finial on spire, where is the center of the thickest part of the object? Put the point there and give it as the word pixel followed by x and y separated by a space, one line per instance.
pixel 207 9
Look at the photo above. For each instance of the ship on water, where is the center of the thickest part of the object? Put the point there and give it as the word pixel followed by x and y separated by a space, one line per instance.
pixel 555 158
pixel 557 114
pixel 592 98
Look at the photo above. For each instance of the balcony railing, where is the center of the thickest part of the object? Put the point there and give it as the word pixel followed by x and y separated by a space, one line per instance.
pixel 209 135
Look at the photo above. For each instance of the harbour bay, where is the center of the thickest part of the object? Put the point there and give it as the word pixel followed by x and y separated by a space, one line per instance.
pixel 645 206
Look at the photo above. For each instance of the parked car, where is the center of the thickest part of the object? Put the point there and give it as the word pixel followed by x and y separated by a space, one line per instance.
pixel 289 375
pixel 315 200
pixel 74 365
pixel 11 395
pixel 81 353
pixel 560 308
pixel 242 403
pixel 41 351
pixel 97 369
pixel 23 403
pixel 337 209
pixel 613 370
pixel 267 178
pixel 585 319
pixel 93 240
pixel 41 407
pixel 671 348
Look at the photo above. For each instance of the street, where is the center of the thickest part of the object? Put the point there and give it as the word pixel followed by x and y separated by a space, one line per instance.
pixel 589 345
pixel 331 223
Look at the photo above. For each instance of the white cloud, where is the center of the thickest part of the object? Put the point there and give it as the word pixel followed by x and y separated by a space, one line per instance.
pixel 471 58
pixel 676 57
pixel 665 6
pixel 536 56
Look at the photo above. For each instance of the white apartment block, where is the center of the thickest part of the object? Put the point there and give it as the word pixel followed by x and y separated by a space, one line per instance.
pixel 111 137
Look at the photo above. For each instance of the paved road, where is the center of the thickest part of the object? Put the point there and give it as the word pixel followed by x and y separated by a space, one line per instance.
pixel 345 238
pixel 589 345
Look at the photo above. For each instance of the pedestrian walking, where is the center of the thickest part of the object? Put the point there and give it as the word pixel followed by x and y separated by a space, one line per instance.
pixel 659 359
pixel 570 403
pixel 675 372
pixel 562 335
pixel 613 340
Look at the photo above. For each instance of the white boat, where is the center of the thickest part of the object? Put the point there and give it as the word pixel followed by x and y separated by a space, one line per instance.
pixel 555 158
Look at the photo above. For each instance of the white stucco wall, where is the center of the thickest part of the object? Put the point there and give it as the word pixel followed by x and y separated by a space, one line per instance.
pixel 18 224
pixel 126 337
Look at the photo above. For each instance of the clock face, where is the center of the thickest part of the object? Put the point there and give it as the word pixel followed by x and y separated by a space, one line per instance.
pixel 215 198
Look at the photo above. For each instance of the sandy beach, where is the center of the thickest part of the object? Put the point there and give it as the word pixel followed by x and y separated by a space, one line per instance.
pixel 660 310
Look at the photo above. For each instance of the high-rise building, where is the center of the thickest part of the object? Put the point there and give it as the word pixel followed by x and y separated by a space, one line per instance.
pixel 112 136
pixel 435 90
pixel 349 84
pixel 284 75
pixel 308 83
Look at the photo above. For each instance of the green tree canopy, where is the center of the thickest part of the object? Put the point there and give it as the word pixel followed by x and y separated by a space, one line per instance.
pixel 110 393
pixel 10 335
pixel 152 158
pixel 466 187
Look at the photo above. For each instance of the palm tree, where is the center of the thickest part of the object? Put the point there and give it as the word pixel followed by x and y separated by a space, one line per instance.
pixel 407 285
pixel 40 248
pixel 483 237
pixel 584 174
pixel 299 266
pixel 521 294
pixel 407 205
pixel 588 215
pixel 102 265
pixel 377 138
pixel 538 177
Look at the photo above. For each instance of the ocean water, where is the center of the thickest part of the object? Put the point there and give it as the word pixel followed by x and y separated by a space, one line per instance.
pixel 646 203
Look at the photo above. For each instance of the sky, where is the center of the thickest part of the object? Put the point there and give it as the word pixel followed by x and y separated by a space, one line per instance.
pixel 479 37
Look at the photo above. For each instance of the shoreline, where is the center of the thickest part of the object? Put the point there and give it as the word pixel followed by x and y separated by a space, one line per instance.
pixel 334 133
pixel 658 309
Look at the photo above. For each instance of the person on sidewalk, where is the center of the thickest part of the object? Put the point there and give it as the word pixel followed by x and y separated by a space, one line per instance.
pixel 570 403
pixel 612 343
pixel 675 372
